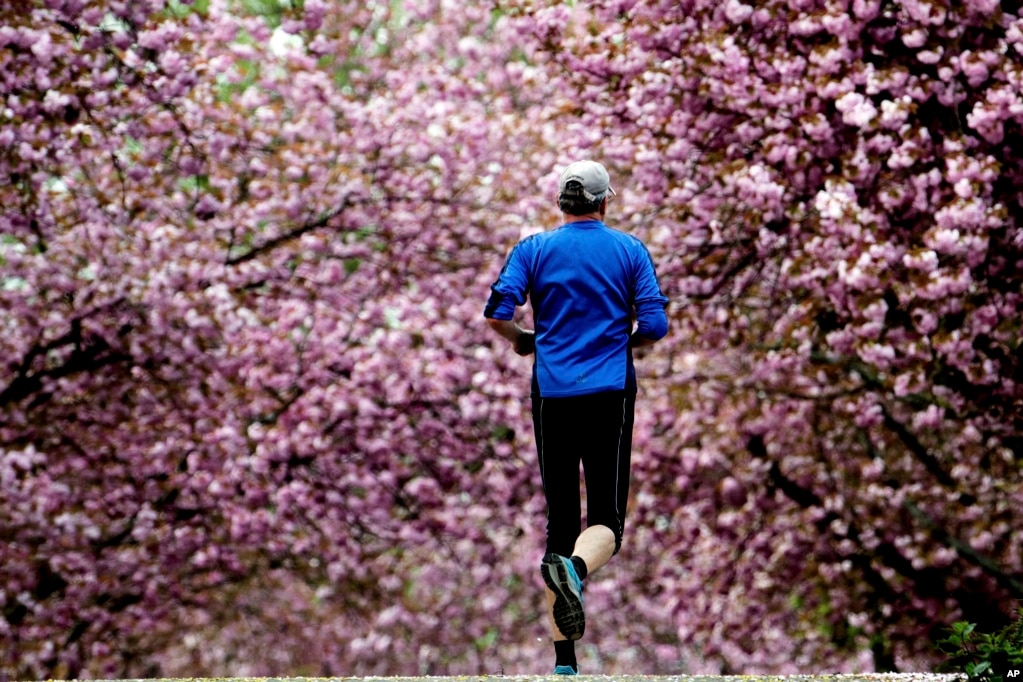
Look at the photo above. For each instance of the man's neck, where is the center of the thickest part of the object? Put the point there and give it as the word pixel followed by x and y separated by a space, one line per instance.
pixel 569 218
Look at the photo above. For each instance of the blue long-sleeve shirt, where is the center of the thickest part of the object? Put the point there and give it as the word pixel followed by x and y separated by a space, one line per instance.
pixel 584 281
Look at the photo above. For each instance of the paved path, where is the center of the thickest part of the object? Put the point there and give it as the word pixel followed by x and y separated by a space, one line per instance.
pixel 865 677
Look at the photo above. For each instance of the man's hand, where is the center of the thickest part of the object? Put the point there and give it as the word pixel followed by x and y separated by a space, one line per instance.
pixel 637 341
pixel 525 343
pixel 522 340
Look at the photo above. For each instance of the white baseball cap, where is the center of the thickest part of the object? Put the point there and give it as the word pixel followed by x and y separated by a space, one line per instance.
pixel 592 177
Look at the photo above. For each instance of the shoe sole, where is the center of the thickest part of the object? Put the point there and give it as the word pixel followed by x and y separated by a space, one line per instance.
pixel 568 606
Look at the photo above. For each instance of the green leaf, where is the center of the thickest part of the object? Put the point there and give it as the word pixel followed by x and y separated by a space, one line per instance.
pixel 980 668
pixel 487 640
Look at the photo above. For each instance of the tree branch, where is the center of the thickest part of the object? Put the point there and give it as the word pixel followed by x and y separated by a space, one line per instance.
pixel 272 244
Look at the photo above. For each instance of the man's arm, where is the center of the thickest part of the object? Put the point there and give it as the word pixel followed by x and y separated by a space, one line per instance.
pixel 522 340
pixel 509 292
pixel 650 305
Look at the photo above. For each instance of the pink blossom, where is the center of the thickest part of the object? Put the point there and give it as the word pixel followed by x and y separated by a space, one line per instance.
pixel 923 260
pixel 944 240
pixel 916 38
pixel 737 12
pixel 983 6
pixel 856 109
pixel 974 68
pixel 924 12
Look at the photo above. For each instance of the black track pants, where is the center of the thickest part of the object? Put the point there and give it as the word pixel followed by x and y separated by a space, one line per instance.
pixel 594 429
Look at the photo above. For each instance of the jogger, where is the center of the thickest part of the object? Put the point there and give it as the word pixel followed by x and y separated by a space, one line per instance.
pixel 586 283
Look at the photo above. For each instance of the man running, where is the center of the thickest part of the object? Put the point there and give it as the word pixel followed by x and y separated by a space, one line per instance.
pixel 587 284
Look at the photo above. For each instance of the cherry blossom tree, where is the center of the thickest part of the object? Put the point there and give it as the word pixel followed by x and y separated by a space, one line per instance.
pixel 832 192
pixel 242 396
pixel 250 420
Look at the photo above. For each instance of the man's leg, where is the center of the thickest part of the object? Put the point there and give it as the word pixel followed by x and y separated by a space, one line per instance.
pixel 558 452
pixel 604 437
pixel 557 444
pixel 595 546
pixel 555 423
pixel 607 464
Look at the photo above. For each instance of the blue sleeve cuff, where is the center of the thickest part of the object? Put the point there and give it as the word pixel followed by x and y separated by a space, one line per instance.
pixel 499 307
pixel 652 322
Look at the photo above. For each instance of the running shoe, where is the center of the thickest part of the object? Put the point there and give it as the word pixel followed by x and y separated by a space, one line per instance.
pixel 559 575
pixel 564 670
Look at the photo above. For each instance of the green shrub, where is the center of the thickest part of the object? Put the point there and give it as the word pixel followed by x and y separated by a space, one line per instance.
pixel 985 657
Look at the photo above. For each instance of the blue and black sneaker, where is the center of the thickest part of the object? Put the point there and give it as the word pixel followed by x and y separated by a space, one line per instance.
pixel 559 575
pixel 565 670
